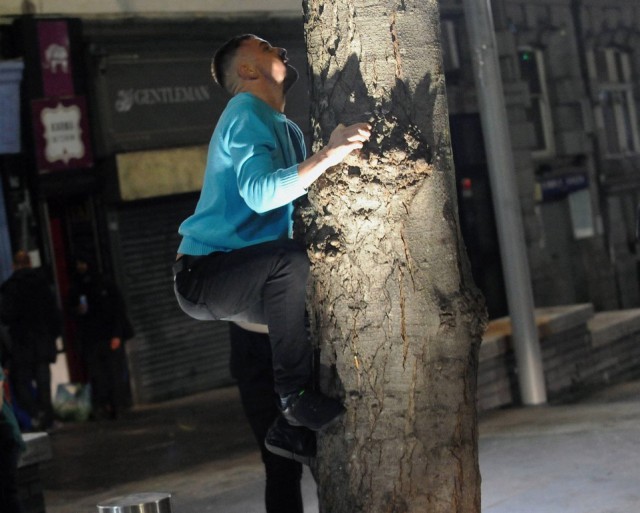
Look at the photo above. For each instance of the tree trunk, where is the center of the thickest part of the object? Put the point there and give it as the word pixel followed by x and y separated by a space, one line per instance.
pixel 394 311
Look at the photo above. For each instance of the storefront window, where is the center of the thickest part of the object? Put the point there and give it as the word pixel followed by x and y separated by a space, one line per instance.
pixel 615 109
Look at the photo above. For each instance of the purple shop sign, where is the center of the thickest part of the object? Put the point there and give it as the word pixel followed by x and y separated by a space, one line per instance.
pixel 61 133
pixel 55 58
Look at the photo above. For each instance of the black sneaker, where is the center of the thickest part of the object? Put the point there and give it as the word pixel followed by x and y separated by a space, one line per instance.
pixel 295 443
pixel 312 410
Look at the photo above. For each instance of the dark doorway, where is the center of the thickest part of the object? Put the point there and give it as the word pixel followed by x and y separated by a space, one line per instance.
pixel 477 218
pixel 73 228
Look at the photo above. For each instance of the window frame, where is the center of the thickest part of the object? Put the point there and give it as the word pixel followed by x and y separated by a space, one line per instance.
pixel 624 107
pixel 542 102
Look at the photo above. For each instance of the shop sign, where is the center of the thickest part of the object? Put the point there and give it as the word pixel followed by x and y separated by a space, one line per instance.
pixel 561 186
pixel 61 132
pixel 149 102
pixel 129 99
pixel 55 58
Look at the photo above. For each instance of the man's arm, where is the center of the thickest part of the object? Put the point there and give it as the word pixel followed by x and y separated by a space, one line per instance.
pixel 343 141
pixel 251 143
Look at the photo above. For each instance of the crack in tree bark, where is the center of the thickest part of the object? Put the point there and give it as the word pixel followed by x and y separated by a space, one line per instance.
pixel 395 42
pixel 403 320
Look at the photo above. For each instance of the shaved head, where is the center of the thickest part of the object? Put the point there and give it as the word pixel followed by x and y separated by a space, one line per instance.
pixel 223 58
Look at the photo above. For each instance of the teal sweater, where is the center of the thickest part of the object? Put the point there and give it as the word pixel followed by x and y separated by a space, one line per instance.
pixel 250 180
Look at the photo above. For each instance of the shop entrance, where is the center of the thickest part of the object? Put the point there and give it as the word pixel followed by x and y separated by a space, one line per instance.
pixel 73 229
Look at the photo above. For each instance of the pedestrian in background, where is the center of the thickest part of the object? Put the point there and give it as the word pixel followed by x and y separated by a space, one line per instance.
pixel 252 368
pixel 29 309
pixel 103 327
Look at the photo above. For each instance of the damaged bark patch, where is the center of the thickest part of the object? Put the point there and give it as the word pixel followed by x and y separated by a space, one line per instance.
pixel 353 202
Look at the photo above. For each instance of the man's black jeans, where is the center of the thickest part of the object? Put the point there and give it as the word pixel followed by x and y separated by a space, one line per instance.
pixel 264 284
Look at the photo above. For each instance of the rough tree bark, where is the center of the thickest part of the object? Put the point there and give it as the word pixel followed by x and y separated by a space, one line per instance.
pixel 396 316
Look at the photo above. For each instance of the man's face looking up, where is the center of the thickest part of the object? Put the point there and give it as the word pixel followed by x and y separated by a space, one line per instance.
pixel 269 61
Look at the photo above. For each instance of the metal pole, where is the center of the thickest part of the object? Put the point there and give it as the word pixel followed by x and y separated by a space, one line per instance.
pixel 506 201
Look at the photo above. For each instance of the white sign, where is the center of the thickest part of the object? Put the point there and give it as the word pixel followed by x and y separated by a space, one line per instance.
pixel 128 98
pixel 62 133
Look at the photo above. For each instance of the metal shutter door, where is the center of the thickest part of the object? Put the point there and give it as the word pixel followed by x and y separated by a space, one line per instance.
pixel 171 355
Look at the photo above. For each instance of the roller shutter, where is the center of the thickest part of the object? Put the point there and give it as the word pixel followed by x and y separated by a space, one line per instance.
pixel 171 355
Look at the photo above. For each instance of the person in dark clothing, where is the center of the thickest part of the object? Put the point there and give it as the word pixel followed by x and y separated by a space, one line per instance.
pixel 29 309
pixel 103 327
pixel 251 366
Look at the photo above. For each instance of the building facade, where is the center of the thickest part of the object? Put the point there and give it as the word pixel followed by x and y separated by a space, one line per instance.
pixel 140 80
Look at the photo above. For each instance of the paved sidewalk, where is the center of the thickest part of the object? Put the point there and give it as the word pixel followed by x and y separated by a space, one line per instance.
pixel 578 458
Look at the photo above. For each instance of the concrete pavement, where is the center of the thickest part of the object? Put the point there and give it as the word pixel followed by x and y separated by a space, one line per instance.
pixel 577 458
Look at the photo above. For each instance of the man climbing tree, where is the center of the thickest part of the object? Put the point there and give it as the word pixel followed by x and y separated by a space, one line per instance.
pixel 395 314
